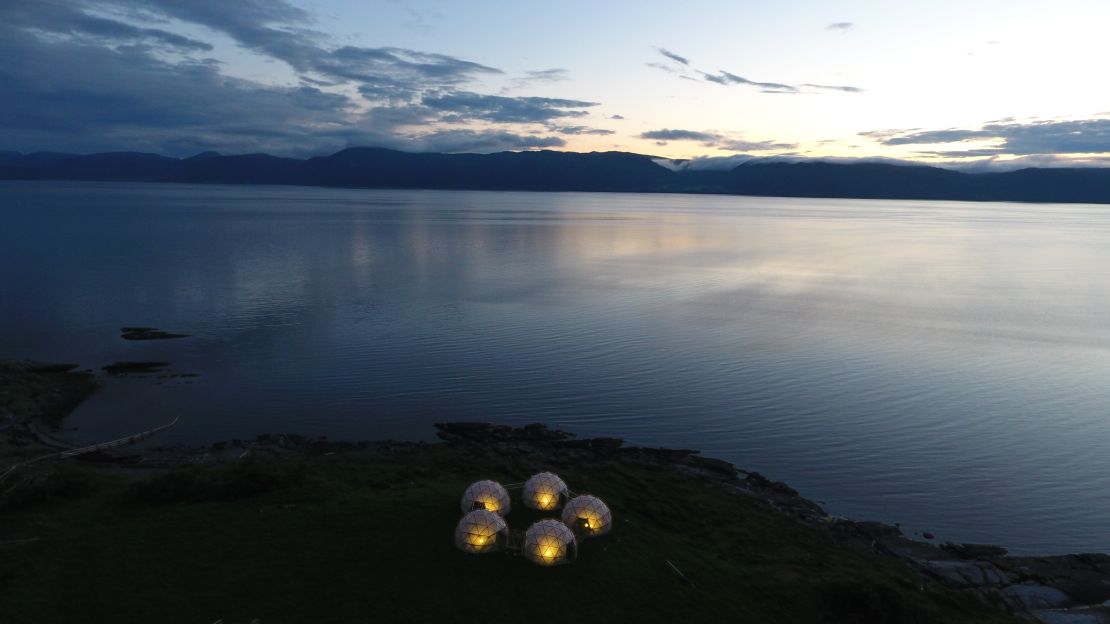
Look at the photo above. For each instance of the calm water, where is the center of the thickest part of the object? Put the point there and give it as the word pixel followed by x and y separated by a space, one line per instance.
pixel 944 365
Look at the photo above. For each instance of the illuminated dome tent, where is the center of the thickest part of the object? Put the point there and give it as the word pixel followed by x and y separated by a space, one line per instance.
pixel 544 491
pixel 481 531
pixel 588 515
pixel 550 542
pixel 487 495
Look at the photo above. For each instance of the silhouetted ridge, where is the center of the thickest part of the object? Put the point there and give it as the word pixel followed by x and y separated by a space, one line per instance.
pixel 375 167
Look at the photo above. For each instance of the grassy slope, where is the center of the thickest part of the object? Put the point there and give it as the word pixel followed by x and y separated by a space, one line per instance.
pixel 348 539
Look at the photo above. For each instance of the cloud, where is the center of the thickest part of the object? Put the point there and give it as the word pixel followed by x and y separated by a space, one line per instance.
pixel 674 57
pixel 667 134
pixel 725 78
pixel 844 88
pixel 1081 136
pixel 466 106
pixel 68 23
pixel 95 75
pixel 714 139
pixel 681 67
pixel 734 145
pixel 578 130
pixel 547 75
pixel 841 26
pixel 616 116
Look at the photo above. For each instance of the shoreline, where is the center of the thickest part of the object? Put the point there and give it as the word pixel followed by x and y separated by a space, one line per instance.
pixel 1057 588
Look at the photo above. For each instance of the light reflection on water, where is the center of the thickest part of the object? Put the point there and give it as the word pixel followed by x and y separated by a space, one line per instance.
pixel 944 365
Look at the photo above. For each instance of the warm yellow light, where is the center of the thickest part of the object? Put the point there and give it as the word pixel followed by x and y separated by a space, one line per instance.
pixel 544 491
pixel 488 502
pixel 547 549
pixel 588 515
pixel 549 542
pixel 488 495
pixel 478 530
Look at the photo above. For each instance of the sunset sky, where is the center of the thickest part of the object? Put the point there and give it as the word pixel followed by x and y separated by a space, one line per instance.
pixel 988 82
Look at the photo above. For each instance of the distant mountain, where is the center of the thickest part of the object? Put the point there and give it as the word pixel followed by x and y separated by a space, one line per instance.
pixel 370 167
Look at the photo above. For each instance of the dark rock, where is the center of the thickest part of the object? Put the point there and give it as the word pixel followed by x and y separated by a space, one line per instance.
pixel 148 333
pixel 51 368
pixel 876 529
pixel 715 465
pixel 928 535
pixel 125 368
pixel 757 480
pixel 974 551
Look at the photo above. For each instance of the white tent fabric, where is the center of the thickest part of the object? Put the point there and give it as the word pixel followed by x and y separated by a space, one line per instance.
pixel 489 495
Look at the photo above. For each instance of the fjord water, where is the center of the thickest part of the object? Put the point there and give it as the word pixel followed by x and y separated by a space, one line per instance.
pixel 940 364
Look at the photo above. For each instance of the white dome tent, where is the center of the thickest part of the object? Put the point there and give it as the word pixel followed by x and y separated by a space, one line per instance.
pixel 589 516
pixel 488 495
pixel 481 531
pixel 545 491
pixel 549 543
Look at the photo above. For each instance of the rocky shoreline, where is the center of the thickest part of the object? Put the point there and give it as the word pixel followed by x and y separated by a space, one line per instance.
pixel 1054 589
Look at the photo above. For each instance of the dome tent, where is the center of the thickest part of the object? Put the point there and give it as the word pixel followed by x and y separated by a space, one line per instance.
pixel 589 516
pixel 544 491
pixel 489 495
pixel 549 542
pixel 481 531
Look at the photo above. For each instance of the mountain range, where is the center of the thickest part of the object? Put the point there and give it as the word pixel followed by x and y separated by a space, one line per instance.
pixel 370 167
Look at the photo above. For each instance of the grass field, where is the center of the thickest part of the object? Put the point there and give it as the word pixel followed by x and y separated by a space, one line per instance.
pixel 368 538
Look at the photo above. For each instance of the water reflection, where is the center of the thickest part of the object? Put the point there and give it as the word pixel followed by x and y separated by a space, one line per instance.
pixel 940 364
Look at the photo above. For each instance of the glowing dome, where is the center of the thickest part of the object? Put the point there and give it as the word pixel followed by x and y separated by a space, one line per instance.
pixel 487 495
pixel 588 515
pixel 481 531
pixel 544 491
pixel 550 542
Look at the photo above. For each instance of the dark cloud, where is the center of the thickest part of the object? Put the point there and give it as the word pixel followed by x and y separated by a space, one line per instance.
pixel 734 145
pixel 717 140
pixel 95 75
pixel 68 22
pixel 674 57
pixel 467 106
pixel 667 134
pixel 1083 136
pixel 725 78
pixel 841 26
pixel 578 130
pixel 844 88
pixel 616 116
pixel 77 97
pixel 683 69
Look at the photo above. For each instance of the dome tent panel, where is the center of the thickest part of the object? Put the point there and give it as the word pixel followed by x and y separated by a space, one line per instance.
pixel 544 491
pixel 481 531
pixel 589 516
pixel 549 542
pixel 488 495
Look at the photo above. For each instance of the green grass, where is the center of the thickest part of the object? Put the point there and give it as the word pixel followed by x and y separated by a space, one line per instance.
pixel 346 539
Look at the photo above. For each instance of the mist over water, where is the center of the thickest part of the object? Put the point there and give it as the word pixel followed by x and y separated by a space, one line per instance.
pixel 940 364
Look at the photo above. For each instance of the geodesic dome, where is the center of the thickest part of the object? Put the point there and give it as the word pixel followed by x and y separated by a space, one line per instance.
pixel 544 491
pixel 487 495
pixel 550 542
pixel 589 516
pixel 481 531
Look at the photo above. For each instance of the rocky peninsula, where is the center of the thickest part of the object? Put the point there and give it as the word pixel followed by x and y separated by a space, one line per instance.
pixel 284 528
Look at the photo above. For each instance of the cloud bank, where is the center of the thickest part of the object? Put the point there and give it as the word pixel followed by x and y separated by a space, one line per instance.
pixel 1036 137
pixel 95 75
